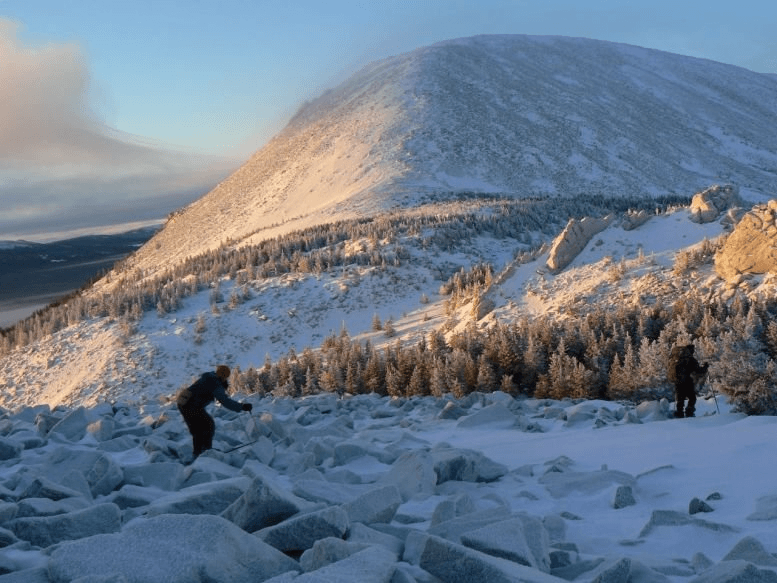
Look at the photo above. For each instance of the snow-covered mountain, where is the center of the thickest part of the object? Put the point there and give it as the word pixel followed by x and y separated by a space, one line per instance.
pixel 449 288
pixel 419 201
pixel 511 115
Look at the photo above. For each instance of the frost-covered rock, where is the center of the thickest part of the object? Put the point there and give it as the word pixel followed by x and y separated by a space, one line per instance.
pixel 465 465
pixel 413 473
pixel 752 247
pixel 560 484
pixel 521 539
pixel 735 572
pixel 102 473
pixel 212 497
pixel 9 448
pixel 450 561
pixel 44 531
pixel 752 550
pixel 171 549
pixel 624 496
pixel 301 532
pixel 162 475
pixel 263 504
pixel 377 505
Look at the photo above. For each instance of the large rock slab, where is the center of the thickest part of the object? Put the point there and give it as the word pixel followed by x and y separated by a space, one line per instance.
pixel 752 550
pixel 73 425
pixel 377 505
pixel 573 239
pixel 48 530
pixel 300 533
pixel 522 539
pixel 674 518
pixel 752 247
pixel 561 484
pixel 10 449
pixel 48 507
pixel 327 551
pixel 332 493
pixel 465 465
pixel 42 487
pixel 263 504
pixel 413 473
pixel 162 475
pixel 495 415
pixel 455 563
pixel 736 572
pixel 171 549
pixel 372 565
pixel 207 498
pixel 102 473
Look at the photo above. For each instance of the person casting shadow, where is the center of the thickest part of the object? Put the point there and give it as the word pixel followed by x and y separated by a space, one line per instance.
pixel 193 400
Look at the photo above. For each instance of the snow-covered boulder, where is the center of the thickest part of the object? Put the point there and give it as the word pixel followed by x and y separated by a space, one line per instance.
pixel 752 247
pixel 174 549
pixel 44 531
pixel 521 539
pixel 301 532
pixel 449 561
pixel 377 505
pixel 263 504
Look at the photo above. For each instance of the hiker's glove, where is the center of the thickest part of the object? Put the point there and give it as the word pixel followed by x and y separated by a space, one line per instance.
pixel 247 407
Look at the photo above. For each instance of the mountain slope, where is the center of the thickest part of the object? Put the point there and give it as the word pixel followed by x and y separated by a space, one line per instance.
pixel 516 115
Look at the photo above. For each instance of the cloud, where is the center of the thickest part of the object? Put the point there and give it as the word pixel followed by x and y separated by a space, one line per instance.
pixel 61 164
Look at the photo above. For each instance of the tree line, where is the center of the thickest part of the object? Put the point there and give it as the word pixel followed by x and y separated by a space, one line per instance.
pixel 617 354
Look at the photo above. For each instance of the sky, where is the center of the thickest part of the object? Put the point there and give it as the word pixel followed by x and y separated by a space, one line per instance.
pixel 115 111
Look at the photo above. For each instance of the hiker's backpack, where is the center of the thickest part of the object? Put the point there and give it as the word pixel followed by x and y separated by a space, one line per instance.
pixel 674 359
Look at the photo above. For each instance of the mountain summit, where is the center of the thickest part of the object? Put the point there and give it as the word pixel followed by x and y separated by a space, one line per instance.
pixel 514 115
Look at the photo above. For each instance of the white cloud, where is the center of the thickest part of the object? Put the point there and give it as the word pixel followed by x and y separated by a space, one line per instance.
pixel 60 165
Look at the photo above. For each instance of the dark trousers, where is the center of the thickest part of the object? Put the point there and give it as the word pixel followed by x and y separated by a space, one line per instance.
pixel 685 389
pixel 201 426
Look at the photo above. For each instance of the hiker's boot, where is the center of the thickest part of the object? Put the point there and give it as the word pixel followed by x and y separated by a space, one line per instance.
pixel 678 413
pixel 690 413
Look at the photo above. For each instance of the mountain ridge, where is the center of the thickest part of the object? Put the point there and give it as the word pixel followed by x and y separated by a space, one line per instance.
pixel 510 115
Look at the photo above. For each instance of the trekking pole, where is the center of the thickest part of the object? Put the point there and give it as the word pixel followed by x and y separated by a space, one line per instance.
pixel 239 446
pixel 714 396
pixel 242 444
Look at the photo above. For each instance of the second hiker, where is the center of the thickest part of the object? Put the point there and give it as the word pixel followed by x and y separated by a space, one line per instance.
pixel 683 367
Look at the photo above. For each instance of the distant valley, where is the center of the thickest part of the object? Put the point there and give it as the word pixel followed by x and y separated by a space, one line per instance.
pixel 33 275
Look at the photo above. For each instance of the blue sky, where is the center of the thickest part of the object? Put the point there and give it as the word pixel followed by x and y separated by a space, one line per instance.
pixel 128 109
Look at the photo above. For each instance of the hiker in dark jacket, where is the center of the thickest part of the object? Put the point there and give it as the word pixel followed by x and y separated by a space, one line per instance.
pixel 193 400
pixel 682 369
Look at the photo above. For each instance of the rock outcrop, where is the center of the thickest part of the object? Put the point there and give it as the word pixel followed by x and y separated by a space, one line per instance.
pixel 752 247
pixel 709 204
pixel 573 240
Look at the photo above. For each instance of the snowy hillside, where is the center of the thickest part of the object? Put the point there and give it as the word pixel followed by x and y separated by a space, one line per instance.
pixel 517 116
pixel 244 319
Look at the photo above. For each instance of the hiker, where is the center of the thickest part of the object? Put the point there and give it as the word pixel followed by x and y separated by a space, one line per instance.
pixel 193 400
pixel 683 370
